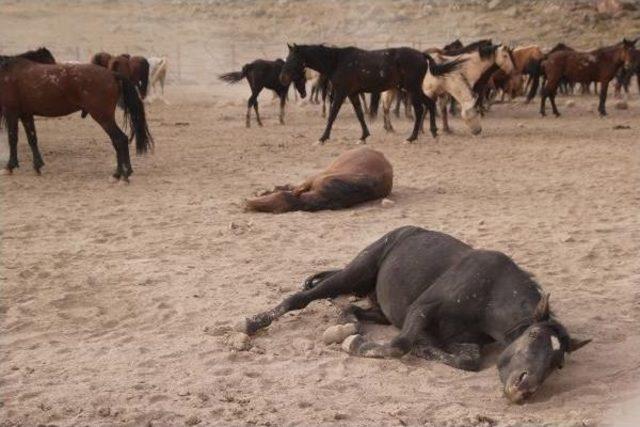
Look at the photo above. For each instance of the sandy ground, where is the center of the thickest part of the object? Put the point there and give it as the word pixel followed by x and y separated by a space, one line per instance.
pixel 117 300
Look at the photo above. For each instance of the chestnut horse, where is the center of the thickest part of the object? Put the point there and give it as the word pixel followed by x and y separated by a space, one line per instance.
pixel 600 65
pixel 135 68
pixel 37 87
pixel 356 176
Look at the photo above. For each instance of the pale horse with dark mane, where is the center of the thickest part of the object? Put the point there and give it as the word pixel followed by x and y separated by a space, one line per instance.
pixel 475 61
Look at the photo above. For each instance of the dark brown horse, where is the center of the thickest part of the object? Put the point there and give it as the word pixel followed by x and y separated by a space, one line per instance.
pixel 599 65
pixel 262 74
pixel 38 87
pixel 356 176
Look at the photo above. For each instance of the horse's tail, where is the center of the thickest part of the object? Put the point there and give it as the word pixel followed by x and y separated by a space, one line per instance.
pixel 134 112
pixel 144 83
pixel 236 76
pixel 444 68
pixel 315 279
pixel 535 71
pixel 374 104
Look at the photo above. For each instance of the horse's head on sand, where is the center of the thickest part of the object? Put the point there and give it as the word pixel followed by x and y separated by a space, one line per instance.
pixel 538 350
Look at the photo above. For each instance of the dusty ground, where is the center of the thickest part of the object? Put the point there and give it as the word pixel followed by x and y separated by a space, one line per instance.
pixel 117 300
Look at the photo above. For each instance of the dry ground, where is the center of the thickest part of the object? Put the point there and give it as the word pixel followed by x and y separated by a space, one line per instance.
pixel 117 300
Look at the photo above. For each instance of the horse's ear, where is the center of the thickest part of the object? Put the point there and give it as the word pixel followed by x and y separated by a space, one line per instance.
pixel 289 46
pixel 575 344
pixel 542 310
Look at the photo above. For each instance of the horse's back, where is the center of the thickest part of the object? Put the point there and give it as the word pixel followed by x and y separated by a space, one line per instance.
pixel 60 89
pixel 355 177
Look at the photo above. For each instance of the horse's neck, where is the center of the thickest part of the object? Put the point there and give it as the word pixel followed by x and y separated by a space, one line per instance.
pixel 321 59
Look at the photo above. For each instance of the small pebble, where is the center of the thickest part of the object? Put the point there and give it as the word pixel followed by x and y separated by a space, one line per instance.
pixel 387 203
pixel 192 420
pixel 337 333
pixel 570 103
pixel 104 411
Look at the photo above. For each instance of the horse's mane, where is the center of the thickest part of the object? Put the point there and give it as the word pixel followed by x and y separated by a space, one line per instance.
pixel 41 55
pixel 484 47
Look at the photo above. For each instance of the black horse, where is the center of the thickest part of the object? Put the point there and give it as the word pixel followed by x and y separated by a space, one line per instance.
pixel 448 299
pixel 353 71
pixel 265 74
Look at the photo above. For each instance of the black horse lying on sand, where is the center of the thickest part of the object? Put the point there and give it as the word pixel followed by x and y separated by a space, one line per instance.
pixel 448 299
pixel 264 74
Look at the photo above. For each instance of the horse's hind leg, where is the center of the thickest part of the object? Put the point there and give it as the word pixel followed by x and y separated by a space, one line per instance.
pixel 120 143
pixel 354 314
pixel 12 134
pixel 358 277
pixel 30 130
pixel 355 101
pixel 442 101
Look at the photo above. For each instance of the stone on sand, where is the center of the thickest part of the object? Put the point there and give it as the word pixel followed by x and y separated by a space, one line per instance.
pixel 387 203
pixel 337 333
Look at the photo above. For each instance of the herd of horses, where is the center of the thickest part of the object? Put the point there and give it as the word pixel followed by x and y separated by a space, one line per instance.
pixel 467 77
pixel 448 299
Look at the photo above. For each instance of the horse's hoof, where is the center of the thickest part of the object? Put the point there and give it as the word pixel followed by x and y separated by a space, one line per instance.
pixel 408 141
pixel 319 142
pixel 352 343
pixel 361 142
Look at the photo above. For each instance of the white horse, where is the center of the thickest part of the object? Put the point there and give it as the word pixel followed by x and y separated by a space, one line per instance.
pixel 157 72
pixel 458 84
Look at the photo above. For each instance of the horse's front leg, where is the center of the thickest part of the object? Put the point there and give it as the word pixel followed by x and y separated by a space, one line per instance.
pixel 283 100
pixel 336 103
pixel 30 130
pixel 604 86
pixel 12 136
pixel 463 356
pixel 387 100
pixel 418 319
pixel 442 102
pixel 431 105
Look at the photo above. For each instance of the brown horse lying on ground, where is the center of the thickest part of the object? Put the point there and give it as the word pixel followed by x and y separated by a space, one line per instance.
pixel 37 87
pixel 600 65
pixel 356 176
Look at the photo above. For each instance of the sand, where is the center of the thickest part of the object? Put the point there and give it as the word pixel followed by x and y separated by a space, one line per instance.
pixel 117 301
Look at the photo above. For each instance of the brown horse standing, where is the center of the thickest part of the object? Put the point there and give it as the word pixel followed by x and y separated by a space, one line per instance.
pixel 356 176
pixel 135 68
pixel 36 87
pixel 600 66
